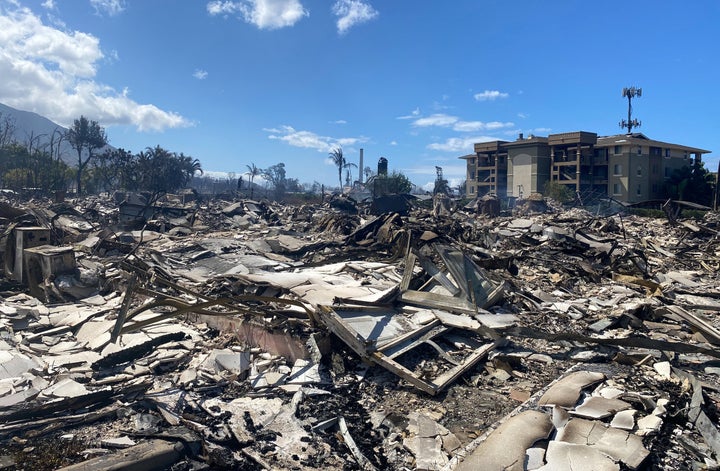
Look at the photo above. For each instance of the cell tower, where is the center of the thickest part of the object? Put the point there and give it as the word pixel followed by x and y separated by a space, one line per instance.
pixel 630 93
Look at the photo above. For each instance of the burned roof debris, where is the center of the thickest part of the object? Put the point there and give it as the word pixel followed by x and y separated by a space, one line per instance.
pixel 239 334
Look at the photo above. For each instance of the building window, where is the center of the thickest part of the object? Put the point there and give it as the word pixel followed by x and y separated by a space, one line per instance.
pixel 639 190
pixel 617 169
pixel 618 150
pixel 656 151
pixel 616 189
pixel 639 150
pixel 667 152
pixel 472 190
pixel 639 171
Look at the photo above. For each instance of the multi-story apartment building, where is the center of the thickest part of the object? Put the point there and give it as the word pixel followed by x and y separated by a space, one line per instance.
pixel 628 167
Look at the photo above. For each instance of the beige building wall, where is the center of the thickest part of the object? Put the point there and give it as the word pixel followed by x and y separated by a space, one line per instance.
pixel 527 171
pixel 618 168
pixel 520 170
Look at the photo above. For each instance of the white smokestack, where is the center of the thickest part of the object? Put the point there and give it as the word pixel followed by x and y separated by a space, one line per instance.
pixel 361 170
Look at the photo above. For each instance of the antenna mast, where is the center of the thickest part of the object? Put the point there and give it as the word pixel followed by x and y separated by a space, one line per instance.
pixel 630 93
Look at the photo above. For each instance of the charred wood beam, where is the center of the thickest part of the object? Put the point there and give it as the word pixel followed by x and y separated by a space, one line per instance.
pixel 639 342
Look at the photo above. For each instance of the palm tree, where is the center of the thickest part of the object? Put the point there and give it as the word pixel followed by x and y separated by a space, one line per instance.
pixel 189 167
pixel 368 172
pixel 253 171
pixel 339 160
pixel 348 166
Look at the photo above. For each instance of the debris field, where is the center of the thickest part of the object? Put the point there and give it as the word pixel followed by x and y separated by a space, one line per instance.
pixel 236 334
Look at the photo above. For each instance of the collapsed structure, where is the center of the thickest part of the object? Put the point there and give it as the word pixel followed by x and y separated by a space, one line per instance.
pixel 249 335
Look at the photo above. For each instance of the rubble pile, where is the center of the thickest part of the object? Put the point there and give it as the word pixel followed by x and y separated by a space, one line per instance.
pixel 189 334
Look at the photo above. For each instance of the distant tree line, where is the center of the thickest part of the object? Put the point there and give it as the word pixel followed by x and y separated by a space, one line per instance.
pixel 31 164
pixel 99 167
pixel 155 170
pixel 275 183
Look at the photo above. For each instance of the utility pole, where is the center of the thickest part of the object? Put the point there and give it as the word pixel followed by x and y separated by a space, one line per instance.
pixel 716 193
pixel 630 93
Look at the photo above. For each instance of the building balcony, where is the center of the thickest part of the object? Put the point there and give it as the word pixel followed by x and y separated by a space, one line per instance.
pixel 573 160
pixel 564 178
pixel 565 163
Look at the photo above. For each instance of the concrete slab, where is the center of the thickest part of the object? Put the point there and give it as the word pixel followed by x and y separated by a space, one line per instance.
pixel 618 444
pixel 624 420
pixel 566 391
pixel 505 447
pixel 595 407
pixel 15 364
pixel 66 388
pixel 563 456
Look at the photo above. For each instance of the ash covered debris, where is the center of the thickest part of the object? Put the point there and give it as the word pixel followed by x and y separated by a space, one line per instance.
pixel 251 335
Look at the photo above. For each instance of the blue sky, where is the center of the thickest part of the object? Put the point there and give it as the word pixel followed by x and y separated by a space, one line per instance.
pixel 266 81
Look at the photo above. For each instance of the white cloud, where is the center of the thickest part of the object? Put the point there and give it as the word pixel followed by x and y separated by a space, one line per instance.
pixel 469 126
pixel 112 56
pixel 445 121
pixel 414 114
pixel 311 140
pixel 51 72
pixel 459 144
pixel 223 8
pixel 490 95
pixel 265 14
pixel 438 119
pixel 393 143
pixel 492 125
pixel 49 4
pixel 523 115
pixel 108 7
pixel 474 126
pixel 200 74
pixel 339 121
pixel 351 13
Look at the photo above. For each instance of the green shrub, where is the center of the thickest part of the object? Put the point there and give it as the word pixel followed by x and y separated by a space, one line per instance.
pixel 558 192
